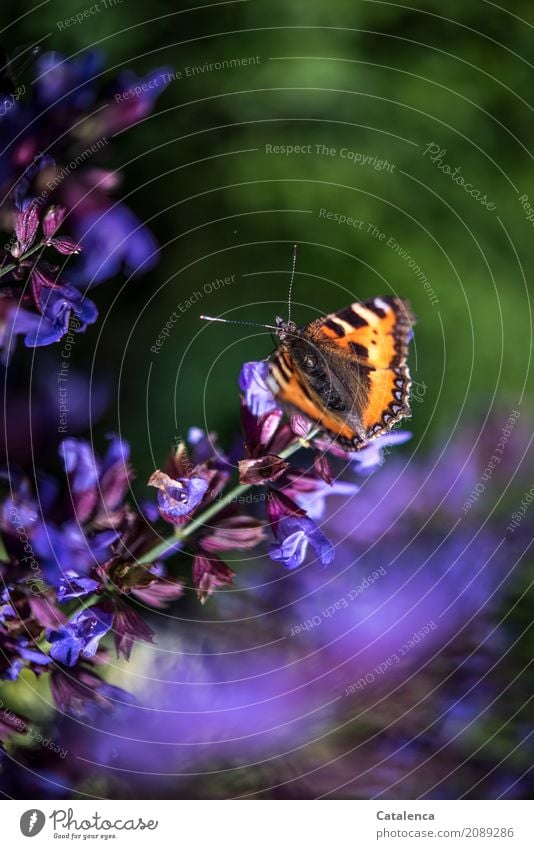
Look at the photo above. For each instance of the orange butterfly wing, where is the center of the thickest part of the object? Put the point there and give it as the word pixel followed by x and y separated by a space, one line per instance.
pixel 374 335
pixel 291 390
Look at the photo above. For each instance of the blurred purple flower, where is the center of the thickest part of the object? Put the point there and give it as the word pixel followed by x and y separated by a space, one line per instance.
pixel 7 610
pixel 310 493
pixel 114 241
pixel 80 464
pixel 98 487
pixel 71 113
pixel 384 634
pixel 14 651
pixel 69 545
pixel 371 457
pixel 63 81
pixel 249 696
pixel 58 304
pixel 136 97
pixel 20 510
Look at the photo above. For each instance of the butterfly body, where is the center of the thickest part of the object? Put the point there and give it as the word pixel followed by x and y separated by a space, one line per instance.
pixel 348 371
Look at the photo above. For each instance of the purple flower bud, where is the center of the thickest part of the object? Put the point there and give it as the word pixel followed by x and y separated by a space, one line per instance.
pixel 300 426
pixel 262 470
pixel 41 279
pixel 195 435
pixel 22 189
pixel 67 80
pixel 293 534
pixel 26 224
pixel 210 573
pixel 53 218
pixel 280 505
pixel 322 467
pixel 234 532
pixel 268 426
pixel 252 381
pixel 128 627
pixel 65 246
pixel 161 593
pixel 203 448
pixel 80 636
pixel 97 488
pixel 178 498
pixel 260 431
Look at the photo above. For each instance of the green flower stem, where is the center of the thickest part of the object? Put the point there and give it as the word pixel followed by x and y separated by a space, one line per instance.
pixel 215 508
pixel 12 265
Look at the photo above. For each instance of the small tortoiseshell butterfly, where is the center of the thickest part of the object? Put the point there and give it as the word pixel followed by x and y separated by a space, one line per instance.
pixel 348 371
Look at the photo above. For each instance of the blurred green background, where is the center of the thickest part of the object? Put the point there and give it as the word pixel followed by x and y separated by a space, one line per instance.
pixel 377 79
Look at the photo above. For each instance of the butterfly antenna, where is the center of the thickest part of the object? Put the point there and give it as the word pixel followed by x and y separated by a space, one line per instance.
pixel 231 321
pixel 294 263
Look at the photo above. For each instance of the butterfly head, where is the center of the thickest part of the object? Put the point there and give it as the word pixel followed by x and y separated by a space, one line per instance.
pixel 286 328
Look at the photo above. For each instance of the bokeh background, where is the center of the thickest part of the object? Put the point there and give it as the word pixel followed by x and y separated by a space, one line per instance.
pixel 389 86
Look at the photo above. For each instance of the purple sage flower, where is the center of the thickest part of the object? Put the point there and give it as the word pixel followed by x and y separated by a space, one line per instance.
pixel 114 241
pixel 368 459
pixel 80 636
pixel 294 534
pixel 71 586
pixel 178 498
pixel 69 545
pixel 253 383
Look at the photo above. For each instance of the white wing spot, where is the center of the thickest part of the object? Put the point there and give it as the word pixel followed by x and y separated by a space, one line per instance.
pixel 378 302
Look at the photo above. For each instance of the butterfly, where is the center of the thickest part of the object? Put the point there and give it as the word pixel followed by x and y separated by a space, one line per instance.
pixel 347 371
